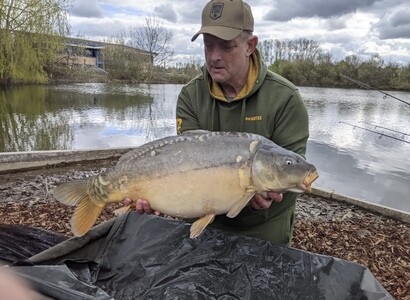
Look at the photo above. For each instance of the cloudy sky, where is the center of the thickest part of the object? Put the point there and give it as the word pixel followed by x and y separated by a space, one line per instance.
pixel 341 27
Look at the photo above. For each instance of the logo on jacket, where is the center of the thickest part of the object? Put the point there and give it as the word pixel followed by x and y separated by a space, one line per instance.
pixel 179 125
pixel 216 10
pixel 253 118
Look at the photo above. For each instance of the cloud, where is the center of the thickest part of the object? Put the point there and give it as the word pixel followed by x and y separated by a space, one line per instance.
pixel 86 9
pixel 166 12
pixel 335 23
pixel 288 10
pixel 342 27
pixel 98 29
pixel 394 25
pixel 387 32
pixel 187 12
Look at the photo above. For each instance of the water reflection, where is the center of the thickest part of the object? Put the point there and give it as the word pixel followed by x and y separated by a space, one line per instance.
pixel 350 160
pixel 29 123
pixel 84 116
pixel 359 176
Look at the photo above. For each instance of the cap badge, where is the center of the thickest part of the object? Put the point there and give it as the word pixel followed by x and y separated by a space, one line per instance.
pixel 216 10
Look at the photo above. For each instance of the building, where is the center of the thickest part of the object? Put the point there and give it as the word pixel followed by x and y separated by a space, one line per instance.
pixel 87 53
pixel 81 52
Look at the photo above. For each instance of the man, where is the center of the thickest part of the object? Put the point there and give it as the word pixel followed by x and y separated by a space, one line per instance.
pixel 236 92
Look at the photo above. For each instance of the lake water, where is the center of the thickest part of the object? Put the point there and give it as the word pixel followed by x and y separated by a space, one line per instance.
pixel 351 159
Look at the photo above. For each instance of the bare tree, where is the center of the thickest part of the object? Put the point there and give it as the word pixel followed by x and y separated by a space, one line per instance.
pixel 353 61
pixel 280 50
pixel 291 50
pixel 305 49
pixel 266 49
pixel 153 38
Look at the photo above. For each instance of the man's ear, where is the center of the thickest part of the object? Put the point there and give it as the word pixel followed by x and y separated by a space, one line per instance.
pixel 252 43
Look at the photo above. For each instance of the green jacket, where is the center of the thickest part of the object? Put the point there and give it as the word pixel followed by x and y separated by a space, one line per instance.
pixel 273 109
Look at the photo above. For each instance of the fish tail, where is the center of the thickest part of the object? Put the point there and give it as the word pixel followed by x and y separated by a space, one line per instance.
pixel 87 211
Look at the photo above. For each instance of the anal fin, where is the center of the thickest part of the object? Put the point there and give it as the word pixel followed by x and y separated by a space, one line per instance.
pixel 241 203
pixel 199 225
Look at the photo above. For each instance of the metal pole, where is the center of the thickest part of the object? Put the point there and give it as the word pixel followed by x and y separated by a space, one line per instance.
pixel 373 131
pixel 368 87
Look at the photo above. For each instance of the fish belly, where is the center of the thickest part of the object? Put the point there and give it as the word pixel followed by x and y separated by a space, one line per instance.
pixel 194 193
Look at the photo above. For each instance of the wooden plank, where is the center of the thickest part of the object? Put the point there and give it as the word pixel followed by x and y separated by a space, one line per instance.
pixel 19 161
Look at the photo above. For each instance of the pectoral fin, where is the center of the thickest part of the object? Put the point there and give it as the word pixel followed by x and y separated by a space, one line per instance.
pixel 199 225
pixel 241 203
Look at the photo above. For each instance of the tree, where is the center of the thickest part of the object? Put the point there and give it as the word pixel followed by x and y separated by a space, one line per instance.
pixel 124 62
pixel 30 34
pixel 371 71
pixel 291 50
pixel 303 50
pixel 266 49
pixel 326 71
pixel 154 39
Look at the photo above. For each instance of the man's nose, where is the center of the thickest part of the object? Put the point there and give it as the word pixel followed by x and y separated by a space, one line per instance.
pixel 216 54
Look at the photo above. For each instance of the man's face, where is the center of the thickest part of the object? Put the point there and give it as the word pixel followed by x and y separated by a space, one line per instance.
pixel 227 61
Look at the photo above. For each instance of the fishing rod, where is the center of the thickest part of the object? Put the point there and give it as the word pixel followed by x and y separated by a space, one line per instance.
pixel 373 131
pixel 368 87
pixel 378 126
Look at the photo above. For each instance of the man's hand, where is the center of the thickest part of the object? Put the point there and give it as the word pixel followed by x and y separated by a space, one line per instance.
pixel 260 202
pixel 142 206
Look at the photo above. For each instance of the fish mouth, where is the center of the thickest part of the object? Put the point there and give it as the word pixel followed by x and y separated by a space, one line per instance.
pixel 309 179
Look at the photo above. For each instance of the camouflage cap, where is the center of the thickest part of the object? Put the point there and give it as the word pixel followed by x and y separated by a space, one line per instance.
pixel 225 19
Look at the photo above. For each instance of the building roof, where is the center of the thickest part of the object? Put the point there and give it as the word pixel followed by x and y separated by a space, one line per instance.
pixel 77 42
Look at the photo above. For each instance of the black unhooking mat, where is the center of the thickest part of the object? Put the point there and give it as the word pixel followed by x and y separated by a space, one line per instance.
pixel 147 257
pixel 20 242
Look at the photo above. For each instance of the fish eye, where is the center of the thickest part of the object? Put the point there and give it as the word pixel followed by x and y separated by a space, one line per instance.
pixel 289 162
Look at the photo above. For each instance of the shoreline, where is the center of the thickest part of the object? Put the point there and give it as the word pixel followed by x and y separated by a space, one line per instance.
pixel 70 80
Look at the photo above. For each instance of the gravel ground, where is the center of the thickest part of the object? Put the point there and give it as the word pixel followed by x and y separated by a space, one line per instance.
pixel 322 226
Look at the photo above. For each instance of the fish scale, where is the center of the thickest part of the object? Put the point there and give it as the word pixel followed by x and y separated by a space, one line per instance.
pixel 194 145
